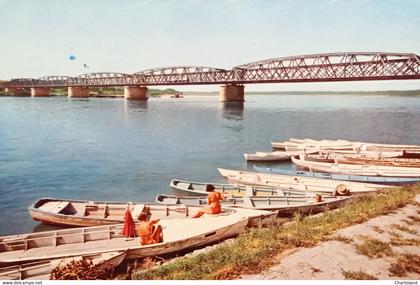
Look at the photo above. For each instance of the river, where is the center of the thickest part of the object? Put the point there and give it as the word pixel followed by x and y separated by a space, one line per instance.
pixel 113 149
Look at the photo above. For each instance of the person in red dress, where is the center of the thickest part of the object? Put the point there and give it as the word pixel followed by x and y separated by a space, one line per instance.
pixel 129 230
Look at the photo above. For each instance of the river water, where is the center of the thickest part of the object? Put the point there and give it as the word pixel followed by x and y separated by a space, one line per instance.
pixel 112 149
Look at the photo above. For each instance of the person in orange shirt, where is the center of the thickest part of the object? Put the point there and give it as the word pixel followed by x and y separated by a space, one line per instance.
pixel 213 201
pixel 129 230
pixel 148 231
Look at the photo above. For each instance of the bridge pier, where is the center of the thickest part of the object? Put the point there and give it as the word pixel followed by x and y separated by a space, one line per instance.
pixel 231 93
pixel 12 90
pixel 78 92
pixel 136 93
pixel 40 92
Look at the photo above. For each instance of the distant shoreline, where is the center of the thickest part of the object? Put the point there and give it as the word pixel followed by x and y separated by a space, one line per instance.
pixel 363 93
pixel 158 93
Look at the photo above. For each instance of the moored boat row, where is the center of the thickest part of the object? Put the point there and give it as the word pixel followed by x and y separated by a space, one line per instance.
pixel 346 168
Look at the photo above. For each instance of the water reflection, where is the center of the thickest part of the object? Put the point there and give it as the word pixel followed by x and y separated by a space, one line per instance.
pixel 135 106
pixel 232 110
pixel 41 227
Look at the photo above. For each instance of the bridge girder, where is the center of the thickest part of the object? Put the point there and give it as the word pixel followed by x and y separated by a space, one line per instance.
pixel 181 75
pixel 348 66
pixel 332 67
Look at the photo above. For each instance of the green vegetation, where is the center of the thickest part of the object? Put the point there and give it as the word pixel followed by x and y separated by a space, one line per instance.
pixel 358 275
pixel 257 249
pixel 374 248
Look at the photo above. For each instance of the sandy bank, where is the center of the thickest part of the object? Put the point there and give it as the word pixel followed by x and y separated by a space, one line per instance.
pixel 331 259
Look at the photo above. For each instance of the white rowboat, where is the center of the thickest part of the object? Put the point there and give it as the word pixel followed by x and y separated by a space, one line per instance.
pixel 178 235
pixel 299 182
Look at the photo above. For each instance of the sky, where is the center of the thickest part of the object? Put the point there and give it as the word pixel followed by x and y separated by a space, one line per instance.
pixel 37 37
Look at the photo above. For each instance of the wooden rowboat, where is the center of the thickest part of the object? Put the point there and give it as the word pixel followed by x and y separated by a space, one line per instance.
pixel 178 235
pixel 285 206
pixel 56 211
pixel 277 155
pixel 355 178
pixel 343 145
pixel 296 144
pixel 355 169
pixel 362 160
pixel 199 189
pixel 300 183
pixel 267 156
pixel 40 270
pixel 82 213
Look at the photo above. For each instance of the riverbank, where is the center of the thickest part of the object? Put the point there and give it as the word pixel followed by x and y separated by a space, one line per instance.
pixel 385 247
pixel 259 249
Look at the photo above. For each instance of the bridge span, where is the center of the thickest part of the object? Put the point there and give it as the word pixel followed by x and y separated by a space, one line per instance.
pixel 327 67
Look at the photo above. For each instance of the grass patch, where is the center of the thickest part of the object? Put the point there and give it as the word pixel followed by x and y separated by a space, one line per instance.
pixel 378 229
pixel 408 221
pixel 257 249
pixel 342 238
pixel 415 219
pixel 404 229
pixel 358 275
pixel 374 248
pixel 398 241
pixel 405 263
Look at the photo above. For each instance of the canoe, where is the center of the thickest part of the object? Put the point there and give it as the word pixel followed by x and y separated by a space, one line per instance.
pixel 354 169
pixel 309 184
pixel 285 206
pixel 199 189
pixel 41 270
pixel 355 178
pixel 178 235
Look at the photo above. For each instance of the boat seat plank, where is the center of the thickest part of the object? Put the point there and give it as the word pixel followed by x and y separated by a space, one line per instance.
pixel 48 206
pixel 59 207
pixel 138 208
pixel 80 209
pixel 280 193
pixel 248 202
pixel 249 191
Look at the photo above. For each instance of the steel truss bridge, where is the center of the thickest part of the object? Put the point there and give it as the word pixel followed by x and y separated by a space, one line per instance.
pixel 351 66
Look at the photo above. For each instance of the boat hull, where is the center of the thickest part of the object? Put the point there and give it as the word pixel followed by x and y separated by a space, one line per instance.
pixel 308 184
pixel 353 169
pixel 281 205
pixel 178 235
pixel 355 178
pixel 41 270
